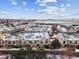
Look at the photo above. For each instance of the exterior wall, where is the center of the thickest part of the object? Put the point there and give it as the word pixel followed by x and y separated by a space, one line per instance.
pixel 60 38
pixel 1 35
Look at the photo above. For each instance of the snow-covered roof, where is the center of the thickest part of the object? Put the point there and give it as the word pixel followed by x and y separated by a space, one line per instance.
pixel 34 36
pixel 71 36
pixel 8 36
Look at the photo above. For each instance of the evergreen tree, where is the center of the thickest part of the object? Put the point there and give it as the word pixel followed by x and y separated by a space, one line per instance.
pixel 29 54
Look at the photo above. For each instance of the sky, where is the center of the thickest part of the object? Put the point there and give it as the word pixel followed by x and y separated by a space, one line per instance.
pixel 39 9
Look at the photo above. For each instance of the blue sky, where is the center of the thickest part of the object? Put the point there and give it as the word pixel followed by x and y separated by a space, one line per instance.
pixel 39 9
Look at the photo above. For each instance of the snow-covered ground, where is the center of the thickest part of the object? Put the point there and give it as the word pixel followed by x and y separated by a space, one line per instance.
pixel 49 56
pixel 4 56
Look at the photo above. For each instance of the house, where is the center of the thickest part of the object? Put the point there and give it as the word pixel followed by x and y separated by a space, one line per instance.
pixel 76 26
pixel 72 29
pixel 62 28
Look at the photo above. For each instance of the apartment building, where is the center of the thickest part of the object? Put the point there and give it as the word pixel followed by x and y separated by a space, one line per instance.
pixel 37 33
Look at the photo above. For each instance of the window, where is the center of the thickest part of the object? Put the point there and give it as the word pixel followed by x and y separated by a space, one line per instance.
pixel 30 42
pixel 75 42
pixel 35 41
pixel 13 42
pixel 46 41
pixel 24 42
pixel 67 41
pixel 2 42
pixel 5 41
pixel 41 42
pixel 71 42
pixel 20 42
pixel 9 42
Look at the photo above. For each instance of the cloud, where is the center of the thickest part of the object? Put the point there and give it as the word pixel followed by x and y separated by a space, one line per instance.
pixel 62 9
pixel 7 15
pixel 53 10
pixel 62 5
pixel 46 1
pixel 42 4
pixel 24 3
pixel 14 3
pixel 4 12
pixel 76 13
pixel 26 9
pixel 48 10
pixel 18 8
pixel 68 4
pixel 32 9
pixel 12 0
